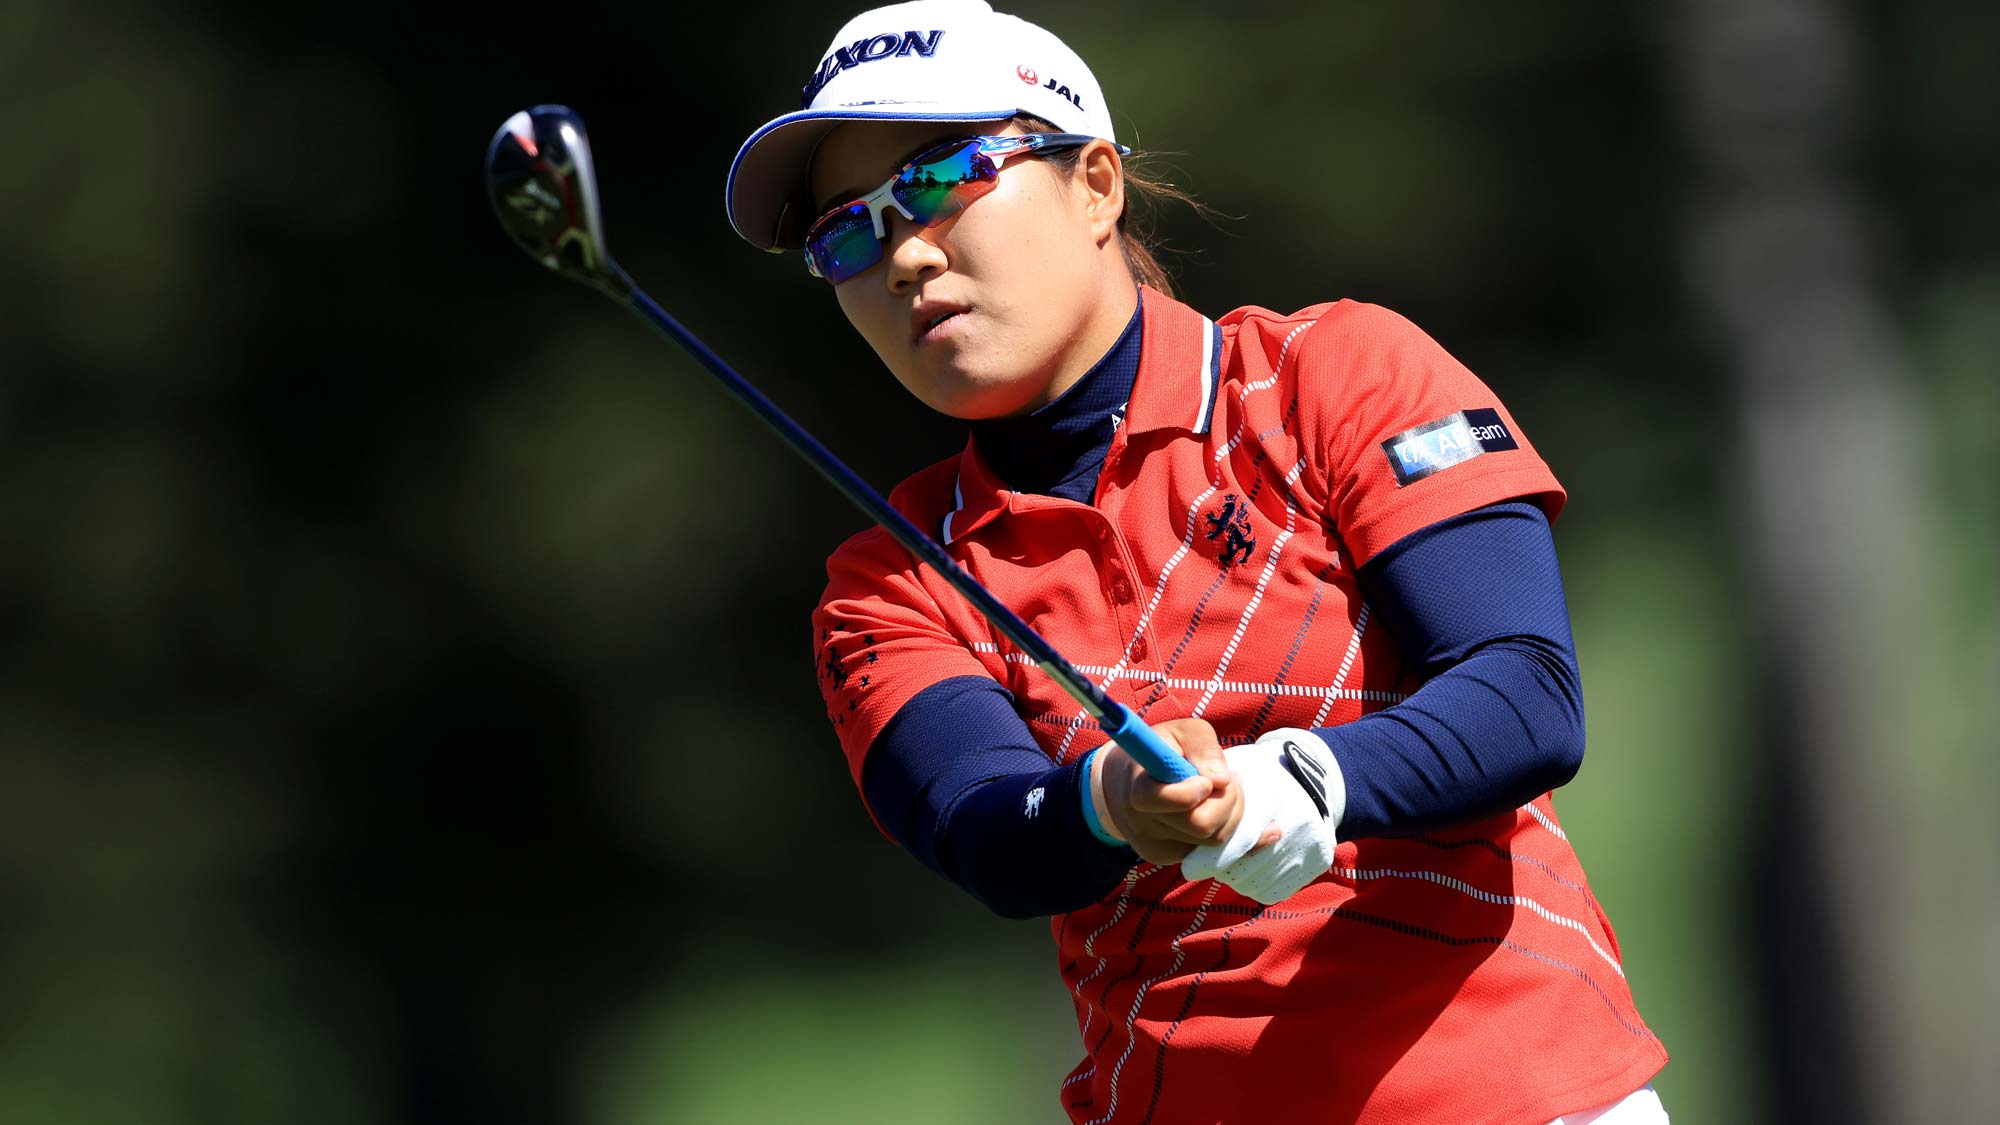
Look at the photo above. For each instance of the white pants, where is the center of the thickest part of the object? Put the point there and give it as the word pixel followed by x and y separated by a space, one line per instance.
pixel 1640 1107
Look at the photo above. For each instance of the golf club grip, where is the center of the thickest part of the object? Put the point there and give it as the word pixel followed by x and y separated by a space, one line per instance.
pixel 1160 761
pixel 1146 747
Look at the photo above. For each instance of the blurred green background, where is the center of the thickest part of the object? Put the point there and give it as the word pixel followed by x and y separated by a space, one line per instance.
pixel 408 711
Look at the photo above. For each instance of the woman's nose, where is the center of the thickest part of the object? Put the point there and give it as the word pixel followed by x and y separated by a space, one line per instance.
pixel 913 257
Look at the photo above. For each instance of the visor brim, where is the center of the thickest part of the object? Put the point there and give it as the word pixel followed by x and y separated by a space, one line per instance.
pixel 766 196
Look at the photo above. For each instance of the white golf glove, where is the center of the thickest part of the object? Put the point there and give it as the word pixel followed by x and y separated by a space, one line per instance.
pixel 1288 776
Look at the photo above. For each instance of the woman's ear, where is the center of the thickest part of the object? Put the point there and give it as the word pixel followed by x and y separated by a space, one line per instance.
pixel 1100 181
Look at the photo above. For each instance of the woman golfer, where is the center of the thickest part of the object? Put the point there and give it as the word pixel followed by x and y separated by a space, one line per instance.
pixel 1310 549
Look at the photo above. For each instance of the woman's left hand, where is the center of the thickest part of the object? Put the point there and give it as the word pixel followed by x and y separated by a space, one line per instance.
pixel 1164 821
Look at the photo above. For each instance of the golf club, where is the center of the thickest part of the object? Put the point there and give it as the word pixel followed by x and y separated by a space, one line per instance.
pixel 544 190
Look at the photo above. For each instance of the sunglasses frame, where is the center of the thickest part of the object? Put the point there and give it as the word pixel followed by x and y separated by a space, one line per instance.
pixel 998 149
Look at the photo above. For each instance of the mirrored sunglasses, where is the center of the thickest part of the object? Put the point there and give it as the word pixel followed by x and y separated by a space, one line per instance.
pixel 931 188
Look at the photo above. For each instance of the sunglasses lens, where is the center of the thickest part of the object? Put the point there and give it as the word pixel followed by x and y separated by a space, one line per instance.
pixel 844 244
pixel 937 187
pixel 934 188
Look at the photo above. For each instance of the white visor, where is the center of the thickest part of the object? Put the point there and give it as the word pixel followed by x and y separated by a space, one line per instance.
pixel 927 60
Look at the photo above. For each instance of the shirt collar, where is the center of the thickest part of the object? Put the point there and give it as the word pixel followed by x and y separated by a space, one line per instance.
pixel 1180 368
pixel 1180 376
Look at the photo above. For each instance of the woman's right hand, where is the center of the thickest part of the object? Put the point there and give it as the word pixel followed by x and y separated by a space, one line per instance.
pixel 1164 822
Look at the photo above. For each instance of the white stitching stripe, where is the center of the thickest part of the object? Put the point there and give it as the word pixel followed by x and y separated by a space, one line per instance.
pixel 1090 950
pixel 1554 829
pixel 1132 1016
pixel 1346 664
pixel 1279 369
pixel 1470 891
pixel 1226 687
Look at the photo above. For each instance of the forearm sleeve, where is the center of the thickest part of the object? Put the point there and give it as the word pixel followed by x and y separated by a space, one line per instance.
pixel 957 780
pixel 1476 604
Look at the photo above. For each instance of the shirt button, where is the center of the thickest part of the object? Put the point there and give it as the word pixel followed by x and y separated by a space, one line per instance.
pixel 1103 531
pixel 1121 591
pixel 1139 649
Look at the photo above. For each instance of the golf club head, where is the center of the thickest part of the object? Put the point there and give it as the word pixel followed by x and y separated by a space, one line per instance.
pixel 544 189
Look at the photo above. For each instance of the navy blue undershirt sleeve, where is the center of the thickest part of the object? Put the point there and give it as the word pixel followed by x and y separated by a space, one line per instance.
pixel 957 779
pixel 1476 604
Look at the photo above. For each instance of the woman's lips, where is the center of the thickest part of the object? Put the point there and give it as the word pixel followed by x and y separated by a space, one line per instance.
pixel 942 330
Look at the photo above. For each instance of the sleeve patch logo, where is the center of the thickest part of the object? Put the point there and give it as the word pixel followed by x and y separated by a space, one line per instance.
pixel 1451 440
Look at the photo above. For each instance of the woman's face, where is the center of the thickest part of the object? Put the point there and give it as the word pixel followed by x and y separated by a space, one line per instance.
pixel 1024 270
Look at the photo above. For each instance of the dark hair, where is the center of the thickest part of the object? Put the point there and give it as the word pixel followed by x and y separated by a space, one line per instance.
pixel 1136 239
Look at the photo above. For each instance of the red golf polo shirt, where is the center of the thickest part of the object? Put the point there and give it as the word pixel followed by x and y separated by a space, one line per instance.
pixel 1465 976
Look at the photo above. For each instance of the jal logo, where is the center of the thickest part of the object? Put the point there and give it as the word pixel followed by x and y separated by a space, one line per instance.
pixel 1027 74
pixel 1062 92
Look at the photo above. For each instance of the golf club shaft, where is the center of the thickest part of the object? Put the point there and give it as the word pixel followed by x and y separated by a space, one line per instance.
pixel 1145 745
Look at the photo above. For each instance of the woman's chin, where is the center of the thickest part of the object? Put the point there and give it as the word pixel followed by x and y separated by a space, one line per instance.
pixel 971 394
